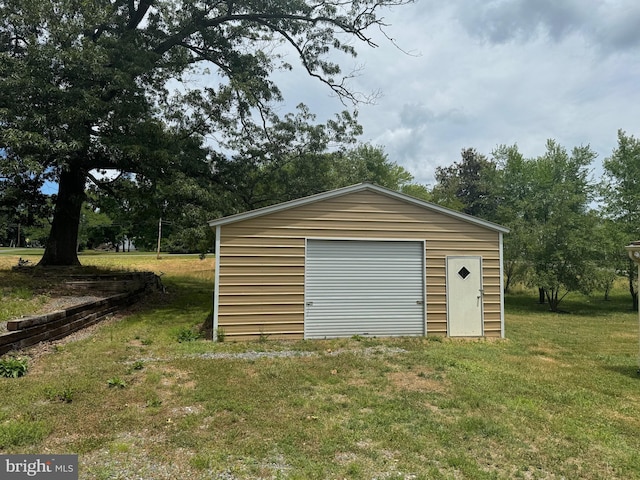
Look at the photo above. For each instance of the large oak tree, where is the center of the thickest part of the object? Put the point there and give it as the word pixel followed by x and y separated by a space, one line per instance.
pixel 87 86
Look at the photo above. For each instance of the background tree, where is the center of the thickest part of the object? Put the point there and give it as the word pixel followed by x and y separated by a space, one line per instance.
pixel 561 249
pixel 97 229
pixel 468 185
pixel 294 157
pixel 556 242
pixel 22 203
pixel 84 85
pixel 611 258
pixel 181 195
pixel 512 196
pixel 621 199
pixel 362 163
pixel 285 159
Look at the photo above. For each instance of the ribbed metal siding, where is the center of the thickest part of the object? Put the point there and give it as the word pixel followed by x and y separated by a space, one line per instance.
pixel 364 288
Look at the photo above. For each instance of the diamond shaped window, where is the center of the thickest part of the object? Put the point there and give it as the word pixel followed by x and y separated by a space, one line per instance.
pixel 464 273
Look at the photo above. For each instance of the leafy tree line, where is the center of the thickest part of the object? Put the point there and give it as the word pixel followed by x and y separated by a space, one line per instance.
pixel 129 208
pixel 568 231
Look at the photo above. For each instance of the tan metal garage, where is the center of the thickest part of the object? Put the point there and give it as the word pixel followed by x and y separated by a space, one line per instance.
pixel 361 260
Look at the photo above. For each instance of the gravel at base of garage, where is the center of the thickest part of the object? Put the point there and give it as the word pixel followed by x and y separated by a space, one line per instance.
pixel 254 355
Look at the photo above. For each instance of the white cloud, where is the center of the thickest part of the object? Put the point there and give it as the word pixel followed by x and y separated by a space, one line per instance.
pixel 487 72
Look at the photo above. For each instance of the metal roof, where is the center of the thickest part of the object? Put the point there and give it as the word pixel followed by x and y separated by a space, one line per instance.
pixel 360 187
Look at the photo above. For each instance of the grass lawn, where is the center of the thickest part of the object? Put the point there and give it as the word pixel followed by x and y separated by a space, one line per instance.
pixel 559 398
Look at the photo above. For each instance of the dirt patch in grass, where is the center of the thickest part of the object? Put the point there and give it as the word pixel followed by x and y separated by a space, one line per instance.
pixel 186 411
pixel 544 350
pixel 417 382
pixel 172 381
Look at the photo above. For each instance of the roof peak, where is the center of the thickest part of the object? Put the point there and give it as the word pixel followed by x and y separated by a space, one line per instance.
pixel 358 187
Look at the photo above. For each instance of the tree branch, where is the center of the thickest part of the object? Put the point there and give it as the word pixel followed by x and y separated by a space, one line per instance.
pixel 104 185
pixel 263 19
pixel 136 16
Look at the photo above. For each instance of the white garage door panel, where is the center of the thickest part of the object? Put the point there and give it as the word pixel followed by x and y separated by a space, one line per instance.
pixel 364 288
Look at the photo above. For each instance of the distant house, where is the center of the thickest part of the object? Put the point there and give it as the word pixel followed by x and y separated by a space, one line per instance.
pixel 360 260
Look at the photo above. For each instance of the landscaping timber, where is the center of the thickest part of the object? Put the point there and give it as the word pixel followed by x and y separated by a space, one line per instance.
pixel 28 331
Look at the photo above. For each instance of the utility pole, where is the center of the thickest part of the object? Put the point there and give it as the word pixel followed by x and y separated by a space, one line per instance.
pixel 159 237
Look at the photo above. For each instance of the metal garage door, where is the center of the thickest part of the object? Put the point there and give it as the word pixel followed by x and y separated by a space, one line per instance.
pixel 358 287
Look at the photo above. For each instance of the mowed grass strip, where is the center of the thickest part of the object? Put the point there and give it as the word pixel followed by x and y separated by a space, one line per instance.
pixel 557 399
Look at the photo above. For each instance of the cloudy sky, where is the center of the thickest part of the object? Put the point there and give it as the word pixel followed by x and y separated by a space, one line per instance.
pixel 480 73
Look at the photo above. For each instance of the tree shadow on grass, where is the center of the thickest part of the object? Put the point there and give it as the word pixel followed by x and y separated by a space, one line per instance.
pixel 631 371
pixel 576 304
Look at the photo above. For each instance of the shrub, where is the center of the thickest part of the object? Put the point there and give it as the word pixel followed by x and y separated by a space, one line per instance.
pixel 13 367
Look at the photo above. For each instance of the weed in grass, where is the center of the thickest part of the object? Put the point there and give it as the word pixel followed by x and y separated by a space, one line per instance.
pixel 201 462
pixel 143 340
pixel 119 447
pixel 116 382
pixel 355 470
pixel 220 335
pixel 136 366
pixel 64 394
pixel 186 334
pixel 22 293
pixel 13 367
pixel 21 433
pixel 154 402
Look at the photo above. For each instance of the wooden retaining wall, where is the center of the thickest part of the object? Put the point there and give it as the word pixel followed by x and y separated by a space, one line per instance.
pixel 28 331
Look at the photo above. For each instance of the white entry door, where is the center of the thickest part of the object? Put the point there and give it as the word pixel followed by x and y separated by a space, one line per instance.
pixel 464 296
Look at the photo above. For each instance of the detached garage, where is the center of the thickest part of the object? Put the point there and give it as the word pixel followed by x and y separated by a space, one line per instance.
pixel 361 260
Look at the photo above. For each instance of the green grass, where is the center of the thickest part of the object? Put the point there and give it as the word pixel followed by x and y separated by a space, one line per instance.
pixel 557 399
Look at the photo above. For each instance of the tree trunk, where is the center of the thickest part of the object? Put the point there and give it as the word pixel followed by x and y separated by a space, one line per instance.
pixel 508 274
pixel 541 296
pixel 62 248
pixel 552 297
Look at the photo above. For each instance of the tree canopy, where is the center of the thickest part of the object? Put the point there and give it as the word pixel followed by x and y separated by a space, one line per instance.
pixel 621 197
pixel 468 185
pixel 545 201
pixel 90 86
